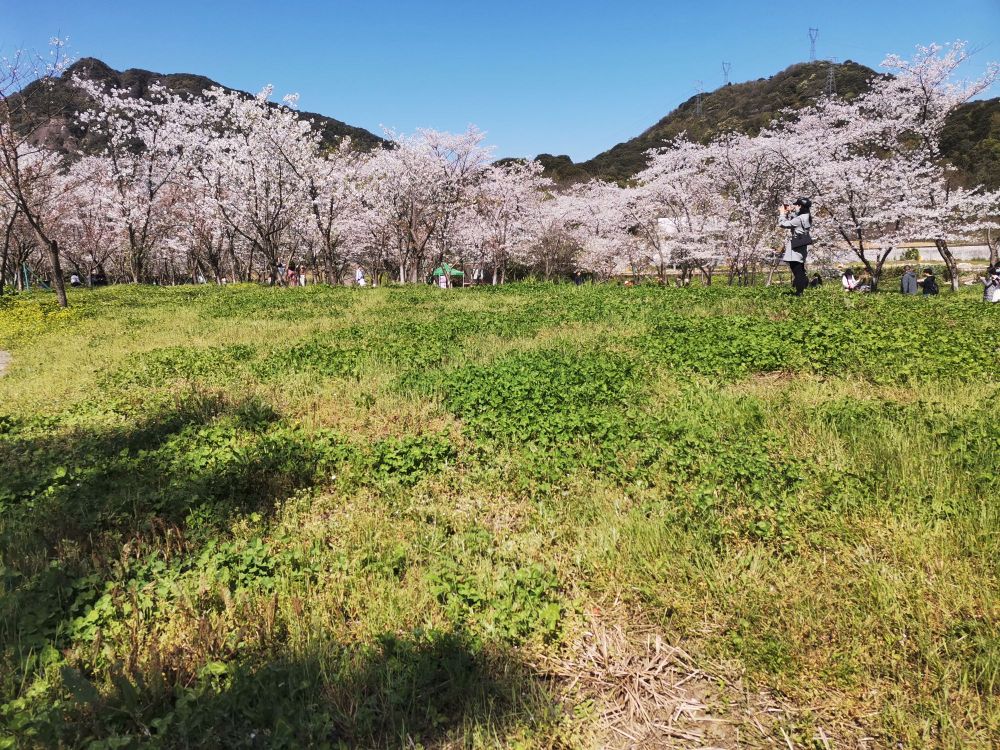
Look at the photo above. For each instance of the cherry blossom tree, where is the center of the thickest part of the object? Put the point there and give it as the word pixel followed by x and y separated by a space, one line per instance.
pixel 414 190
pixel 332 183
pixel 593 214
pixel 147 152
pixel 680 210
pixel 8 217
pixel 503 221
pixel 252 158
pixel 28 170
pixel 86 227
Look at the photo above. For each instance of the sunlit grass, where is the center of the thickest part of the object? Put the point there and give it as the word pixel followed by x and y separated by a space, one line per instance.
pixel 219 503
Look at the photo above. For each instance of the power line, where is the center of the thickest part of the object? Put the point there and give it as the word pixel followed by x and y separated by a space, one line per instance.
pixel 726 67
pixel 813 34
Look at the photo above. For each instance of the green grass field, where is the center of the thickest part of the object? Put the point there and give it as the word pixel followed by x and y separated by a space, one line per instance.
pixel 530 516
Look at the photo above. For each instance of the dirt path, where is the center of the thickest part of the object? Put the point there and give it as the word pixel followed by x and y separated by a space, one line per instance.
pixel 4 362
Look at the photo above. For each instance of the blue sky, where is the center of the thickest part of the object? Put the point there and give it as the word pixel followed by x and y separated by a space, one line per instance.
pixel 545 76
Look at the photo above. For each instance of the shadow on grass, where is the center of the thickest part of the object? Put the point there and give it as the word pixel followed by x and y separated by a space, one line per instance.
pixel 431 689
pixel 70 499
pixel 199 460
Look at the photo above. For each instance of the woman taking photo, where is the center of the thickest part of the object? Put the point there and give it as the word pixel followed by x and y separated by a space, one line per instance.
pixel 797 218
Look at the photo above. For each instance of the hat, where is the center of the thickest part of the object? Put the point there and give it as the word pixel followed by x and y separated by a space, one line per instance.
pixel 803 202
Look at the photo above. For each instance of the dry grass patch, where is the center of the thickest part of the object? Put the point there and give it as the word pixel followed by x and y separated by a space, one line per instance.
pixel 647 693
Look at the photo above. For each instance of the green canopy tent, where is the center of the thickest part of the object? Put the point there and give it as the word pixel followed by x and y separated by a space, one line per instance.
pixel 446 269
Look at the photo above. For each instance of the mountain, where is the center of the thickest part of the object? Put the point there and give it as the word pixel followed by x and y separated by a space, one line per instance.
pixel 60 101
pixel 971 140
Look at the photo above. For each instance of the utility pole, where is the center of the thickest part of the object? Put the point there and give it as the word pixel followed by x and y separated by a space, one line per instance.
pixel 726 67
pixel 701 90
pixel 831 78
pixel 813 34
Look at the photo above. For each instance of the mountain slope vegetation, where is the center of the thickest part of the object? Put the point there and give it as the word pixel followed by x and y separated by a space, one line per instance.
pixel 972 139
pixel 60 101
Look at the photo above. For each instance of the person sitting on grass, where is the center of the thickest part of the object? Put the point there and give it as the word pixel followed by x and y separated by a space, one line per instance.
pixel 908 282
pixel 853 284
pixel 929 283
pixel 848 280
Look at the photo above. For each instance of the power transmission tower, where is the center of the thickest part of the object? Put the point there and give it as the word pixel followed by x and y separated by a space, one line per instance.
pixel 726 67
pixel 831 77
pixel 701 90
pixel 813 34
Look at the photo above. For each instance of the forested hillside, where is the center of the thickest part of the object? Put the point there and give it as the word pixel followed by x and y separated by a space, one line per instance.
pixel 972 140
pixel 64 99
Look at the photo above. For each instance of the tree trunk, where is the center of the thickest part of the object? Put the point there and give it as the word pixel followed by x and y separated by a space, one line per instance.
pixel 949 261
pixel 6 252
pixel 57 277
pixel 3 269
pixel 994 246
pixel 879 263
pixel 770 272
pixel 52 247
pixel 874 271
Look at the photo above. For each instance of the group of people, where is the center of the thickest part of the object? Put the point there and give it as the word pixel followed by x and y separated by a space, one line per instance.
pixel 796 217
pixel 97 278
pixel 908 282
pixel 291 276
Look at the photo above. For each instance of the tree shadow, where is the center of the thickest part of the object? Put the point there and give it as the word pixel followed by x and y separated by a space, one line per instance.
pixel 175 476
pixel 70 499
pixel 199 453
pixel 431 689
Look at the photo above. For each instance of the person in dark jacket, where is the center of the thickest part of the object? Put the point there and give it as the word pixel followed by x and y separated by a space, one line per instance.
pixel 908 282
pixel 797 218
pixel 929 283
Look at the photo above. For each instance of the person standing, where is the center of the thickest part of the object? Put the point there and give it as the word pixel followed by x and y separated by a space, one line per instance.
pixel 908 283
pixel 797 219
pixel 359 276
